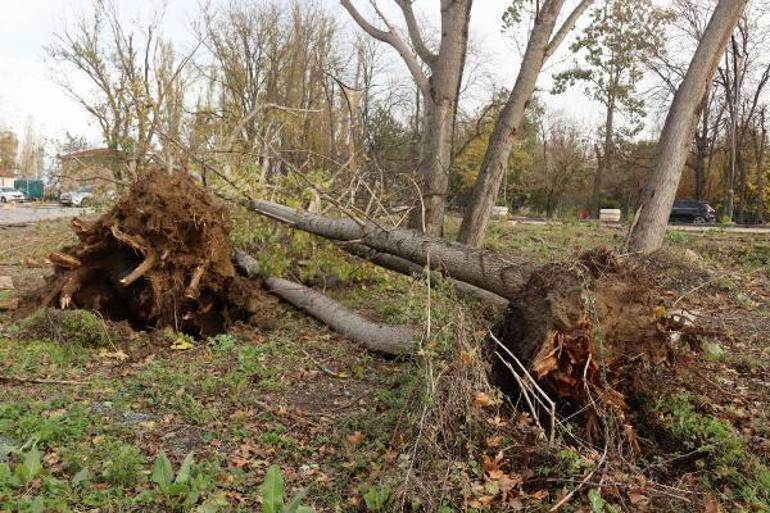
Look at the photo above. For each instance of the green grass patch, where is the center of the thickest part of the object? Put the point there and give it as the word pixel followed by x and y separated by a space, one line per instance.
pixel 724 452
pixel 79 327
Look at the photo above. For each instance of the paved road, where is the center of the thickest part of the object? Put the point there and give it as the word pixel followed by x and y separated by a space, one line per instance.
pixel 703 228
pixel 31 212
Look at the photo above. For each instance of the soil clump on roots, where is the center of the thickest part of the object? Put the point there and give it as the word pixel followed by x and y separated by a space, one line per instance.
pixel 587 332
pixel 161 257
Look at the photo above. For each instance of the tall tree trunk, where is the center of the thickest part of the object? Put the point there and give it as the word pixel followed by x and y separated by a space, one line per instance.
pixel 440 114
pixel 702 149
pixel 700 175
pixel 760 147
pixel 649 227
pixel 434 167
pixel 491 272
pixel 440 91
pixel 742 183
pixel 495 163
pixel 604 167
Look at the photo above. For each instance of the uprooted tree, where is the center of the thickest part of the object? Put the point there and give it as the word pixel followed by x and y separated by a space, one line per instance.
pixel 582 329
pixel 162 258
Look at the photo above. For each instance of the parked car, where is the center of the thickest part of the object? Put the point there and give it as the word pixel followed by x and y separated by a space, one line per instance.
pixel 692 211
pixel 79 198
pixel 8 194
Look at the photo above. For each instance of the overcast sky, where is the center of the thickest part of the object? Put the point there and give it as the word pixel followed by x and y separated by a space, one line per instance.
pixel 28 93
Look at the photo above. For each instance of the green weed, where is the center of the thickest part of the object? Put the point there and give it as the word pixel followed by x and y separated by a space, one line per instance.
pixel 376 498
pixel 719 444
pixel 124 466
pixel 272 491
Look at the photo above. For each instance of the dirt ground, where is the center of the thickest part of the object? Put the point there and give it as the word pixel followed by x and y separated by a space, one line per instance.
pixel 351 428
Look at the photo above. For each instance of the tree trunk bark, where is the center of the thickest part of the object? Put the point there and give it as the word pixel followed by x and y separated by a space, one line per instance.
pixel 702 148
pixel 376 337
pixel 491 272
pixel 760 146
pixel 434 167
pixel 440 114
pixel 403 266
pixel 742 182
pixel 487 186
pixel 604 167
pixel 440 91
pixel 658 196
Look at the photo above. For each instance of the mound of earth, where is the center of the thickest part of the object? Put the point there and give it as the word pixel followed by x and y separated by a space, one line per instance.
pixel 161 257
pixel 585 332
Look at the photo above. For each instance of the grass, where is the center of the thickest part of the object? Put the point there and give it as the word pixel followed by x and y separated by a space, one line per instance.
pixel 244 401
pixel 723 450
pixel 75 327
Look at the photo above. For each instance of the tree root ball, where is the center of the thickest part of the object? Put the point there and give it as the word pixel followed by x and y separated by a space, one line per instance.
pixel 161 257
pixel 585 332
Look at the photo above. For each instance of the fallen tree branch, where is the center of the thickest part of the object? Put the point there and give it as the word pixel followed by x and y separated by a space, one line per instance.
pixel 34 381
pixel 491 272
pixel 403 266
pixel 377 337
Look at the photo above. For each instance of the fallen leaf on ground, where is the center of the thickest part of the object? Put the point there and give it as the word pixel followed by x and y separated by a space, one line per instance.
pixel 355 439
pixel 116 355
pixel 181 344
pixel 711 506
pixel 482 400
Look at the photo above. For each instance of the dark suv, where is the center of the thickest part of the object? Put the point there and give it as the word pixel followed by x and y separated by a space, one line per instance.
pixel 691 211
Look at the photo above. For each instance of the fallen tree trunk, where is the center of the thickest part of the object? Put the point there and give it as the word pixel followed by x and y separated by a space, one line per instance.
pixel 488 271
pixel 403 266
pixel 582 332
pixel 376 337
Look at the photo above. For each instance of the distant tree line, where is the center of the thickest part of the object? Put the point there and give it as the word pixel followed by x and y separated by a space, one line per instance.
pixel 276 97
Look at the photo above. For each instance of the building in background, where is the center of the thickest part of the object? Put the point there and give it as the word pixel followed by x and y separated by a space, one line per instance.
pixel 7 177
pixel 96 168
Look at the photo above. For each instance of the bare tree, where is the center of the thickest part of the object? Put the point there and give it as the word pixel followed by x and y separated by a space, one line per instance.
pixel 669 65
pixel 542 43
pixel 565 165
pixel 32 152
pixel 136 74
pixel 743 79
pixel 439 88
pixel 649 226
pixel 759 133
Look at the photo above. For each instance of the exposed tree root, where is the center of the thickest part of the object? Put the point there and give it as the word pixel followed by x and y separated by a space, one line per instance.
pixel 161 257
pixel 586 332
